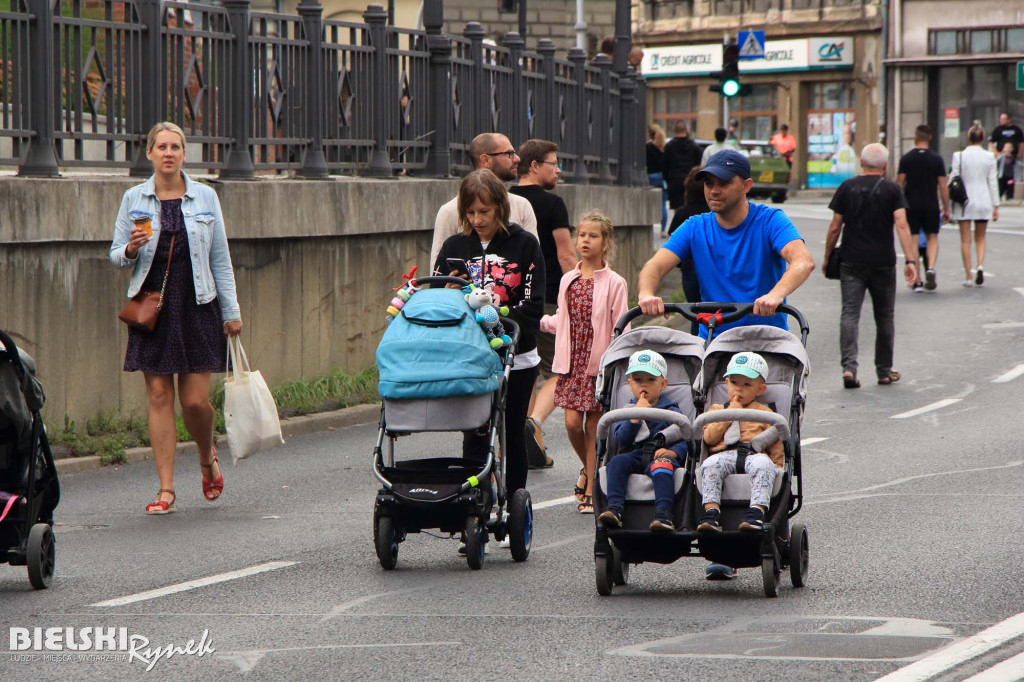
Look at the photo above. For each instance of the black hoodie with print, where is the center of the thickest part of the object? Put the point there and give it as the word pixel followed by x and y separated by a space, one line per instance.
pixel 511 267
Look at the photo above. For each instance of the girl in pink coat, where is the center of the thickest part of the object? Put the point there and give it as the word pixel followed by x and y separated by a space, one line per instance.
pixel 591 299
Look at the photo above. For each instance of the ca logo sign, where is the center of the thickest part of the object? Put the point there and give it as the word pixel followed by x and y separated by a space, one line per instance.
pixel 831 52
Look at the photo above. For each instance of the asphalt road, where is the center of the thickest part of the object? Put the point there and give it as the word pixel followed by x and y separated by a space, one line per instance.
pixel 913 511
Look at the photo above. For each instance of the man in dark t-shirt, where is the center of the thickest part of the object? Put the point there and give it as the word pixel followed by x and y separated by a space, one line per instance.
pixel 921 172
pixel 538 173
pixel 681 154
pixel 865 210
pixel 1005 132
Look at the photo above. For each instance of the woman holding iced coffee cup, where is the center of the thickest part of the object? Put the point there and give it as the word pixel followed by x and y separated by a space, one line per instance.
pixel 170 231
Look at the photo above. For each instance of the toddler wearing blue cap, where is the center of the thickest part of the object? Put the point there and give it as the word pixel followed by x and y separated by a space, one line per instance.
pixel 745 379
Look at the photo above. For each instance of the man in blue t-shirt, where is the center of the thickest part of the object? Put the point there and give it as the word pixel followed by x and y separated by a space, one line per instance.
pixel 743 252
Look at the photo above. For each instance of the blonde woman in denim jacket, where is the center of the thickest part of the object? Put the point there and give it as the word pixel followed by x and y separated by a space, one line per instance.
pixel 200 306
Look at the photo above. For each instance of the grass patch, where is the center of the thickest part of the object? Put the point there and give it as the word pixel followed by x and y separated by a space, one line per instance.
pixel 109 433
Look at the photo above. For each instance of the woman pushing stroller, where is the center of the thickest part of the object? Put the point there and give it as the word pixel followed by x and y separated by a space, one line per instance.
pixel 506 260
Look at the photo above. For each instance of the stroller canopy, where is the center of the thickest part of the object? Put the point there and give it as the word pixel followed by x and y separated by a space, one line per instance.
pixel 435 348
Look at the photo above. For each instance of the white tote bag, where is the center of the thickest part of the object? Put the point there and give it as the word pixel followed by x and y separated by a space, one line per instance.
pixel 250 414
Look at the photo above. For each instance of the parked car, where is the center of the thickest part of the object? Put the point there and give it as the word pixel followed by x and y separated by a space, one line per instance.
pixel 768 169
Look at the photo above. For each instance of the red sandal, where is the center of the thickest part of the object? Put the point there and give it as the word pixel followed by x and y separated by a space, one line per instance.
pixel 213 489
pixel 161 507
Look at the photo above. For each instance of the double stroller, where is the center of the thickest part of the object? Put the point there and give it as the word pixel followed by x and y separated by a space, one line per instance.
pixel 695 382
pixel 29 488
pixel 439 372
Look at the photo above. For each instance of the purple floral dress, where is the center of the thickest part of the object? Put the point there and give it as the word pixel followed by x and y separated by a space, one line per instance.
pixel 577 389
pixel 188 338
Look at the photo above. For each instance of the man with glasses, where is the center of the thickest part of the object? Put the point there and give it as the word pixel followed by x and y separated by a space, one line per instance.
pixel 494 152
pixel 538 173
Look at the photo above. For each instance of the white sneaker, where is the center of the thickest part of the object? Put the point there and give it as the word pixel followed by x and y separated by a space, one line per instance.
pixel 968 283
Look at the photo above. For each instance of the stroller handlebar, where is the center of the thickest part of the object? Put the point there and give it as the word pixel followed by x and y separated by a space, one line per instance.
pixel 730 312
pixel 14 353
pixel 734 415
pixel 679 423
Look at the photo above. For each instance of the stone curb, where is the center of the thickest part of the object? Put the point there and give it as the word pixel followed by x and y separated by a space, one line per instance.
pixel 293 426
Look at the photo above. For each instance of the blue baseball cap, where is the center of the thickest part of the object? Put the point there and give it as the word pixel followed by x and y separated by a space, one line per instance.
pixel 727 164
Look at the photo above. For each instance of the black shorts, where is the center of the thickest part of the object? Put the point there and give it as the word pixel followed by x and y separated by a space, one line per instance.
pixel 924 220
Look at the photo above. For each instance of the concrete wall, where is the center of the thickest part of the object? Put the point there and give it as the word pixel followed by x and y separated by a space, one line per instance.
pixel 315 263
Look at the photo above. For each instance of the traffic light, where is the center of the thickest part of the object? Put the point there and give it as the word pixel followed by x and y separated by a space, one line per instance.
pixel 729 77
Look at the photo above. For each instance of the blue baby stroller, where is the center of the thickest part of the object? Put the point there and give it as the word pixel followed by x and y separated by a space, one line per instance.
pixel 438 372
pixel 29 489
pixel 695 385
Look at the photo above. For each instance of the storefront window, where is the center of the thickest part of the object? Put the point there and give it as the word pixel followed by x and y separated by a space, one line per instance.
pixel 831 132
pixel 839 95
pixel 756 113
pixel 675 104
pixel 967 94
pixel 976 41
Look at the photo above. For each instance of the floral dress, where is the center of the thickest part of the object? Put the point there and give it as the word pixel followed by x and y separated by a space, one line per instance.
pixel 188 338
pixel 577 389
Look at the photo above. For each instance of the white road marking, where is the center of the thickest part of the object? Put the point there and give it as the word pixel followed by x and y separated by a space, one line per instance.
pixel 1009 376
pixel 867 492
pixel 811 441
pixel 194 584
pixel 553 503
pixel 927 408
pixel 961 652
pixel 1019 290
pixel 1010 670
pixel 998 326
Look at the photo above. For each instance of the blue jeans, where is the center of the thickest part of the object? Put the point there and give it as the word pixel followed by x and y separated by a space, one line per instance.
pixel 657 180
pixel 854 281
pixel 625 463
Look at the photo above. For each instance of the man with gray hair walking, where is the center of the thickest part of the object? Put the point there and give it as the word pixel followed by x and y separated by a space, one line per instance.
pixel 865 210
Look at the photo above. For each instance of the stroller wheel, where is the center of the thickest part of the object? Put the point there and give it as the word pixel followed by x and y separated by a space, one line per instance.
pixel 620 569
pixel 475 534
pixel 603 575
pixel 798 555
pixel 41 555
pixel 770 574
pixel 520 525
pixel 387 542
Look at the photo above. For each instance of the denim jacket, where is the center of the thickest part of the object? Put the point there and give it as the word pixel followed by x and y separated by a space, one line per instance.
pixel 207 242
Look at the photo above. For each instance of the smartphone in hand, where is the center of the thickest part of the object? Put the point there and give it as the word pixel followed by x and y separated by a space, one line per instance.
pixel 458 264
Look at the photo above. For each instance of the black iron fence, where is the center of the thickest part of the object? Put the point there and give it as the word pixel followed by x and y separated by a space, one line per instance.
pixel 84 80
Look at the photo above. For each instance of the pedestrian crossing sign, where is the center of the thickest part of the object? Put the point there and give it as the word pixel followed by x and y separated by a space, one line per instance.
pixel 751 44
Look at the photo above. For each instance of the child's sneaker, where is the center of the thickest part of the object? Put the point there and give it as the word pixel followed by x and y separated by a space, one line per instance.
pixel 612 516
pixel 753 519
pixel 663 522
pixel 711 521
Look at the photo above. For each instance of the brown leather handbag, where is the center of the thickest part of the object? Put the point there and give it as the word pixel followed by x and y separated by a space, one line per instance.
pixel 143 309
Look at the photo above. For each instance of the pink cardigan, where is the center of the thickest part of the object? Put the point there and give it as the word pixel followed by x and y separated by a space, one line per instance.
pixel 610 303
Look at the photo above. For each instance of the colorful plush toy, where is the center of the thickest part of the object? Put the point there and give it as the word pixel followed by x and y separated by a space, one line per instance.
pixel 403 293
pixel 489 316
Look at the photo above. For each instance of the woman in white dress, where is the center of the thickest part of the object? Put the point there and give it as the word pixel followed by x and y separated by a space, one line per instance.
pixel 976 166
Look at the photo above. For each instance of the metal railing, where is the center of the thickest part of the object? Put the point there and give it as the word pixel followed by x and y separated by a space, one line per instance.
pixel 82 83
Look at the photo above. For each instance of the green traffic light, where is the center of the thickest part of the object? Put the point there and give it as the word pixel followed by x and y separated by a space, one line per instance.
pixel 730 88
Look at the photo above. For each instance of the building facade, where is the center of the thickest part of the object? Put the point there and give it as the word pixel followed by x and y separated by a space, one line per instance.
pixel 951 63
pixel 819 74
